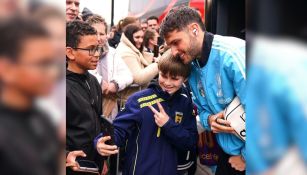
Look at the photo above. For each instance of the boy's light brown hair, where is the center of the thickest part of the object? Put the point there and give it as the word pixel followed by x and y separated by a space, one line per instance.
pixel 173 66
pixel 96 19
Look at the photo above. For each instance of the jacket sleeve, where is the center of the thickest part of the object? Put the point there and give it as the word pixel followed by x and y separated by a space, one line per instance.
pixel 184 136
pixel 122 74
pixel 140 75
pixel 126 121
pixel 234 67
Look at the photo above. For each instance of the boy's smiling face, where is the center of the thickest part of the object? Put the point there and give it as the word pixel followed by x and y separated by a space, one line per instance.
pixel 80 58
pixel 169 83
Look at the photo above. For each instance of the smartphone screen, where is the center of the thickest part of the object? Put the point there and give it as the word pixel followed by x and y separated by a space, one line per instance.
pixel 156 51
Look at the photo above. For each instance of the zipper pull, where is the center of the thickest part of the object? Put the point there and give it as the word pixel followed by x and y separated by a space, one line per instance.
pixel 158 132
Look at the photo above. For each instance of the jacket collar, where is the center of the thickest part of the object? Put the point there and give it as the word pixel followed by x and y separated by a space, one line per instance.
pixel 73 75
pixel 206 48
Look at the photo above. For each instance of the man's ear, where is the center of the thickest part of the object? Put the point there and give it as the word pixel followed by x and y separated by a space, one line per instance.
pixel 194 29
pixel 70 53
pixel 7 71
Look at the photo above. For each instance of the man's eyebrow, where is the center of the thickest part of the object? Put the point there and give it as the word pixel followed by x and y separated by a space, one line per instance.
pixel 172 42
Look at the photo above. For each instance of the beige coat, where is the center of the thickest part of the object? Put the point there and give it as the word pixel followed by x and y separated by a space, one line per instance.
pixel 140 65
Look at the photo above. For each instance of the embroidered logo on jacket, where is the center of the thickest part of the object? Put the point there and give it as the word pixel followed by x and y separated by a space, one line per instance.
pixel 178 117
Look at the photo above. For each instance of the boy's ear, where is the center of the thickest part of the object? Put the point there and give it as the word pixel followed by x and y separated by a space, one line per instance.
pixel 70 53
pixel 185 80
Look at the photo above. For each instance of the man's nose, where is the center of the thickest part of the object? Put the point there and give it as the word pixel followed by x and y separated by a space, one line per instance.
pixel 73 6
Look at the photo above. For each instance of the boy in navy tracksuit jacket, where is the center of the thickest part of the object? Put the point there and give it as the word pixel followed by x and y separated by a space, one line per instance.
pixel 157 123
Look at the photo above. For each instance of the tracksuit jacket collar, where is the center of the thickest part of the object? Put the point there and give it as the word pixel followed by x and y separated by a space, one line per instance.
pixel 206 48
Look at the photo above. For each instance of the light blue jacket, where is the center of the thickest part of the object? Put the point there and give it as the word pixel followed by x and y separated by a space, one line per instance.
pixel 220 80
pixel 277 103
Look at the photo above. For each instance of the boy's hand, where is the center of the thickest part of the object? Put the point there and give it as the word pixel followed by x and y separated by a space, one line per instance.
pixel 219 124
pixel 160 117
pixel 71 159
pixel 237 163
pixel 104 149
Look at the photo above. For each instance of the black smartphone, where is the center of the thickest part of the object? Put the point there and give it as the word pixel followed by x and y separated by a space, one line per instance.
pixel 88 166
pixel 156 51
pixel 107 129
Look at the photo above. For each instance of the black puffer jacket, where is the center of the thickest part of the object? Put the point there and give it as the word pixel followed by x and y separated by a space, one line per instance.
pixel 28 142
pixel 83 109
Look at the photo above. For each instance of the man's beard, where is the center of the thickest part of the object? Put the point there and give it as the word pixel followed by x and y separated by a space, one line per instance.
pixel 192 51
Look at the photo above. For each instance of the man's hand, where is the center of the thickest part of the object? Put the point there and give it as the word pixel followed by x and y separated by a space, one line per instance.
pixel 237 163
pixel 160 117
pixel 219 124
pixel 104 149
pixel 71 159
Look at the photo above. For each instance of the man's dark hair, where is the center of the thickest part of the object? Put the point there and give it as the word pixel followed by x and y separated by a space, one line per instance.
pixel 178 19
pixel 14 32
pixel 75 29
pixel 153 17
pixel 130 30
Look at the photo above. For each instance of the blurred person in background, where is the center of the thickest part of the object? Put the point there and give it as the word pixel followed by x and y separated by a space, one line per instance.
pixel 130 49
pixel 83 95
pixel 144 26
pixel 28 69
pixel 153 24
pixel 114 41
pixel 111 33
pixel 217 77
pixel 112 72
pixel 53 20
pixel 151 44
pixel 150 40
pixel 9 8
pixel 86 13
pixel 72 9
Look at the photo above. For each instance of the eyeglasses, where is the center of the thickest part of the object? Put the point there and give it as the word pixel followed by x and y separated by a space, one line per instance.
pixel 92 51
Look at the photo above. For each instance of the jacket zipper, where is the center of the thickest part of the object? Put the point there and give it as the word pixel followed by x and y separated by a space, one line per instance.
pixel 205 87
pixel 137 150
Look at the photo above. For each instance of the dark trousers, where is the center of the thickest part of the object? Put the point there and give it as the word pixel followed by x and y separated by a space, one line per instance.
pixel 224 167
